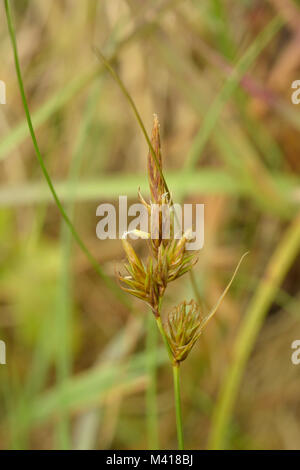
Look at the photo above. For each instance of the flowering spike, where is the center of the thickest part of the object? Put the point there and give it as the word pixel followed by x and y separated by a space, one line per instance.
pixel 169 259
pixel 156 183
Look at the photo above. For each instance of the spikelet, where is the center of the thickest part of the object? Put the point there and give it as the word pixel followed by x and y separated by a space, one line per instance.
pixel 156 183
pixel 185 323
pixel 173 261
pixel 139 279
pixel 183 329
pixel 159 195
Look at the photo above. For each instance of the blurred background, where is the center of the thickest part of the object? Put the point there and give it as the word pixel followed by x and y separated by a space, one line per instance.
pixel 80 354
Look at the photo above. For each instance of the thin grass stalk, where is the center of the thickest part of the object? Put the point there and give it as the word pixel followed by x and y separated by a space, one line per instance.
pixel 151 392
pixel 164 337
pixel 280 262
pixel 176 379
pixel 76 236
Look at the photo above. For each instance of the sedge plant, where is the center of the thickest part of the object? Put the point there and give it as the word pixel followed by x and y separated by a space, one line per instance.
pixel 168 259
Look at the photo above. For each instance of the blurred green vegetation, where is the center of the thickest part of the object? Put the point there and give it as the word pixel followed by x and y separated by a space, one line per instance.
pixel 218 74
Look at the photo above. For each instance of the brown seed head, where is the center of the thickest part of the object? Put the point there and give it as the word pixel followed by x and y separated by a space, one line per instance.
pixel 173 261
pixel 168 258
pixel 139 280
pixel 149 281
pixel 183 329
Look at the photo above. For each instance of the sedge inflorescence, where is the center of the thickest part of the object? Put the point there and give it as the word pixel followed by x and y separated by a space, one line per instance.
pixel 167 259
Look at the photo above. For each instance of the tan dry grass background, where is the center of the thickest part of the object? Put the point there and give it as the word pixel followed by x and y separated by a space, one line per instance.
pixel 61 324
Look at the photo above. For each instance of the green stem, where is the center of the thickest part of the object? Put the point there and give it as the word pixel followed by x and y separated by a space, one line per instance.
pixel 176 383
pixel 176 378
pixel 164 337
pixel 151 400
